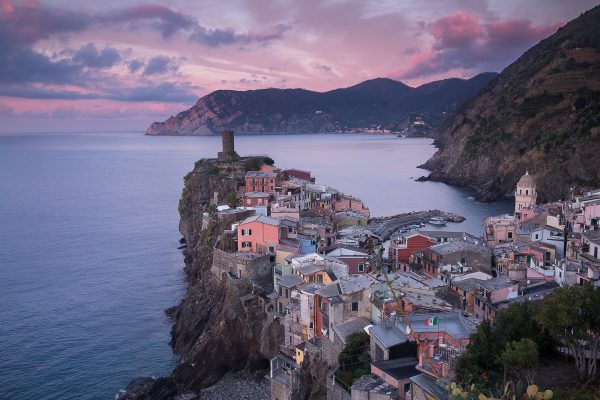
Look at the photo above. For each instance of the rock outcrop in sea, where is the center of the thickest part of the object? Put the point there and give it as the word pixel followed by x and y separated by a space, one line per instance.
pixel 213 333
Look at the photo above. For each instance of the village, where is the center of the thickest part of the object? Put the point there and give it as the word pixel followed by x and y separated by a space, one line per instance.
pixel 388 311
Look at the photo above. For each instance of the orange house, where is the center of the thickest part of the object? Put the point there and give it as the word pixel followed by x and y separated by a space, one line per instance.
pixel 259 234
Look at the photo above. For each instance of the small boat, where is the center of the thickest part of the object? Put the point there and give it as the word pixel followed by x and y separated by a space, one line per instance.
pixel 437 221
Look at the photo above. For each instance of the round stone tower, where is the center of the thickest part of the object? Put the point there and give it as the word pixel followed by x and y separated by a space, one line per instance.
pixel 228 142
pixel 526 194
pixel 228 153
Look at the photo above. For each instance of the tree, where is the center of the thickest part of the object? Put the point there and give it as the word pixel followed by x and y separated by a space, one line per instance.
pixel 522 357
pixel 354 359
pixel 572 316
pixel 478 364
pixel 232 200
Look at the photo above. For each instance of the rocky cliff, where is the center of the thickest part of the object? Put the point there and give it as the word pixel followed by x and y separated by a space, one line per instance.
pixel 379 102
pixel 542 114
pixel 212 332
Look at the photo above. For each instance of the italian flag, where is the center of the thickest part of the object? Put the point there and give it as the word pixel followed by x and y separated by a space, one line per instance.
pixel 433 321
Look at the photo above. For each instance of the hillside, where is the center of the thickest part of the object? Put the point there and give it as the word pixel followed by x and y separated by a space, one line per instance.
pixel 380 102
pixel 542 114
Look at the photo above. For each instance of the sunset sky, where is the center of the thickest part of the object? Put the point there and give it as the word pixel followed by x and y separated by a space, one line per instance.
pixel 119 65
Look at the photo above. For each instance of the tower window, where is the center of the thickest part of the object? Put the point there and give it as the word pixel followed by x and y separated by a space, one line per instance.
pixel 527 191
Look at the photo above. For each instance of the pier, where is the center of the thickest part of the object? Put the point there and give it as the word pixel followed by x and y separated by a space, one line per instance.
pixel 384 227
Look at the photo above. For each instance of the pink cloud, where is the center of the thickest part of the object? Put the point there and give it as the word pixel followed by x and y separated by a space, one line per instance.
pixel 506 33
pixel 464 41
pixel 456 30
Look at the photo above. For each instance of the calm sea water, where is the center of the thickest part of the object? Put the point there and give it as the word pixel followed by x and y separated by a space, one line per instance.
pixel 88 237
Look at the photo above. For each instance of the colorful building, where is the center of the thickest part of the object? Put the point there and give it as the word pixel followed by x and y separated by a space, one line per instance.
pixel 257 181
pixel 259 234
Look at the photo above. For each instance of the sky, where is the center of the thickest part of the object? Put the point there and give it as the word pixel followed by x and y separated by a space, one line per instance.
pixel 119 65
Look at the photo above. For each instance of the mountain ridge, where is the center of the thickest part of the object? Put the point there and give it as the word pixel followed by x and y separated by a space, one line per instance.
pixel 540 114
pixel 380 102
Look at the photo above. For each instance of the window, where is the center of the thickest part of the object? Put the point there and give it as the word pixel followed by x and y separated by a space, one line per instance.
pixel 510 235
pixel 246 245
pixel 361 267
pixel 355 306
pixel 290 229
pixel 527 192
pixel 463 260
pixel 271 249
pixel 246 232
pixel 280 291
pixel 287 293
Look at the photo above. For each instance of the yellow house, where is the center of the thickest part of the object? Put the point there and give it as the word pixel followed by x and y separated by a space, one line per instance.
pixel 300 349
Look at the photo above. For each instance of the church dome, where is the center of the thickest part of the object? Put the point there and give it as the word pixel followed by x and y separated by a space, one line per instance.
pixel 526 181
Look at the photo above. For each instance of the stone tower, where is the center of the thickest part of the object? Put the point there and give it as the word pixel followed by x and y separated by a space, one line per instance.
pixel 228 153
pixel 525 195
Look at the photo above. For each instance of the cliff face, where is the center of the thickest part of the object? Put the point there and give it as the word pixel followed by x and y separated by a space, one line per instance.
pixel 378 102
pixel 213 332
pixel 542 114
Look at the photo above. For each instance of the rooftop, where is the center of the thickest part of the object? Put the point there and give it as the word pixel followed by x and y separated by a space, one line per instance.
pixel 592 236
pixel 372 383
pixel 345 329
pixel 453 323
pixel 388 336
pixel 428 384
pixel 355 283
pixel 260 174
pixel 256 194
pixel 467 284
pixel 262 219
pixel 443 234
pixel 289 280
pixel 526 181
pixel 458 245
pixel 399 368
pixel 496 283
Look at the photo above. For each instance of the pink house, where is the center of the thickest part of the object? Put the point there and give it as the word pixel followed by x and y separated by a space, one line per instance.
pixel 256 199
pixel 348 203
pixel 259 234
pixel 493 291
pixel 257 181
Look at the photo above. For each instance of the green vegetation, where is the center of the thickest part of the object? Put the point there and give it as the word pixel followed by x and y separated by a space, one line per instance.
pixel 509 348
pixel 232 200
pixel 531 106
pixel 572 316
pixel 522 358
pixel 354 360
pixel 254 163
pixel 481 364
pixel 510 392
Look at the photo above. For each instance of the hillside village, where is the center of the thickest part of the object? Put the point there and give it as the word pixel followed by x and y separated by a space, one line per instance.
pixel 366 316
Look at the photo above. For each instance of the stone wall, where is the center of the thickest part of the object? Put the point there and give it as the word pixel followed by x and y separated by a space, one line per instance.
pixel 250 267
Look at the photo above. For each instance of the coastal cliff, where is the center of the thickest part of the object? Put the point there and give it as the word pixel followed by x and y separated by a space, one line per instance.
pixel 213 332
pixel 382 103
pixel 541 114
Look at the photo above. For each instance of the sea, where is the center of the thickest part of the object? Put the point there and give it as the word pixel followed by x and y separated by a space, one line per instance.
pixel 89 236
